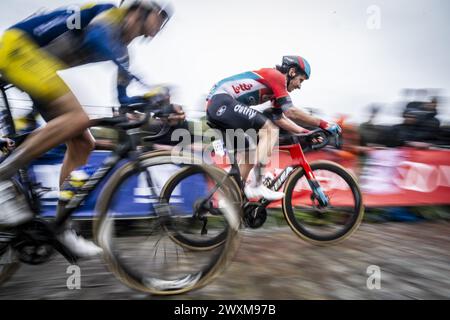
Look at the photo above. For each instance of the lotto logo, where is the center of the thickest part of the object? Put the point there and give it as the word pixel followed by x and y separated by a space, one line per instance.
pixel 242 87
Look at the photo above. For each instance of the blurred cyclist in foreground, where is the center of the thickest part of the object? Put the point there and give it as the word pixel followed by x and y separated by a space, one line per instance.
pixel 31 53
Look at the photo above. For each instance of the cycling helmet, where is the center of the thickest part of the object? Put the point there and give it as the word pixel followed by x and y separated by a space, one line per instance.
pixel 298 62
pixel 165 10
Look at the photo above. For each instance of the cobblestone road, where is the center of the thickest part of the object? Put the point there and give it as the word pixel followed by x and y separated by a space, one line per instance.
pixel 274 264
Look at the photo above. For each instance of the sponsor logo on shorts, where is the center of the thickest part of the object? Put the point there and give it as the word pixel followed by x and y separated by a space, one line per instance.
pixel 246 111
pixel 221 110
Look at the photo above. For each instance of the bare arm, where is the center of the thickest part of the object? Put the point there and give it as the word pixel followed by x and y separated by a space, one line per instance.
pixel 299 115
pixel 289 125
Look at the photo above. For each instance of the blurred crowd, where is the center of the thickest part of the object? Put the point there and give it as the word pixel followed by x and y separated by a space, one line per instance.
pixel 420 126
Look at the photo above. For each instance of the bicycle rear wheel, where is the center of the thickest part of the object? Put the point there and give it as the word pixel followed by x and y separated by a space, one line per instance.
pixel 141 251
pixel 329 225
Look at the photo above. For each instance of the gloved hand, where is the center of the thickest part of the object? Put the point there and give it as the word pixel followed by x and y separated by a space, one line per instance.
pixel 332 128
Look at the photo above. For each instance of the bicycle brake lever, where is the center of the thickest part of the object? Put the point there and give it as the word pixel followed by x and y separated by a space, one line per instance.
pixel 317 134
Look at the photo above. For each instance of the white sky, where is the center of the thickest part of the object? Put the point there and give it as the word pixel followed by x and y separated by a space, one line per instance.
pixel 352 65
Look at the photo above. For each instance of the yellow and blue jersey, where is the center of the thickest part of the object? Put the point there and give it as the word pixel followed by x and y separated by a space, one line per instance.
pixel 44 28
pixel 26 63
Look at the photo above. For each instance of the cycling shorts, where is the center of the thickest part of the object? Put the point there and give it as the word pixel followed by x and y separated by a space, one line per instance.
pixel 30 68
pixel 228 113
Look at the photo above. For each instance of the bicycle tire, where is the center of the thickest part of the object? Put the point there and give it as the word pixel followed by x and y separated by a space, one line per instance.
pixel 158 286
pixel 185 241
pixel 301 230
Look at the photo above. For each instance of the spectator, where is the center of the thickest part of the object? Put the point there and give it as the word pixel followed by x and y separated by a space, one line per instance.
pixel 419 125
pixel 369 132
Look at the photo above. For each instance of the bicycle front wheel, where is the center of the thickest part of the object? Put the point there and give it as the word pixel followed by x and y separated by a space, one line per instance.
pixel 323 225
pixel 208 228
pixel 141 251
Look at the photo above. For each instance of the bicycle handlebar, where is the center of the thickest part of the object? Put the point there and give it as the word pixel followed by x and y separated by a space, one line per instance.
pixel 320 133
pixel 157 106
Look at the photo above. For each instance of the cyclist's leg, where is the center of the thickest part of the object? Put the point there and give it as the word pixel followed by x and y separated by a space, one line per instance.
pixel 77 154
pixel 27 66
pixel 228 113
pixel 268 137
pixel 65 123
pixel 246 164
pixel 78 148
pixel 33 70
pixel 69 124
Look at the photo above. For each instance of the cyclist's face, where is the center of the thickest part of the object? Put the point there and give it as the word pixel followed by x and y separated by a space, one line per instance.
pixel 296 82
pixel 153 24
pixel 133 25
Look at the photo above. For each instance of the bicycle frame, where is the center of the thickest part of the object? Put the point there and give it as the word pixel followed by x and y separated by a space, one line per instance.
pixel 296 152
pixel 299 159
pixel 91 184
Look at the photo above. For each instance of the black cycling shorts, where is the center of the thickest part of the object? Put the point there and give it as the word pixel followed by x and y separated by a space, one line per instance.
pixel 228 113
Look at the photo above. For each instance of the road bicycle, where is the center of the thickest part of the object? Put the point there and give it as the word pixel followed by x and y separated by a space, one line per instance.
pixel 323 203
pixel 138 250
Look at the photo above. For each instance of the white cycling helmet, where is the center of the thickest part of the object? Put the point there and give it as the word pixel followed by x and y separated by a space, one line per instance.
pixel 163 8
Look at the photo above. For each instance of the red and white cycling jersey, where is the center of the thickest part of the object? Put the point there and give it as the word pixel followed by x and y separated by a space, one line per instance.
pixel 255 87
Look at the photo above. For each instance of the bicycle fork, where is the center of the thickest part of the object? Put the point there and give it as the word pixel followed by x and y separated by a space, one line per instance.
pixel 317 190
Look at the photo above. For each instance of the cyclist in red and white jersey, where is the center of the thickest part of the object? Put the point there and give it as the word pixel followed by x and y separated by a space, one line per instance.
pixel 229 107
